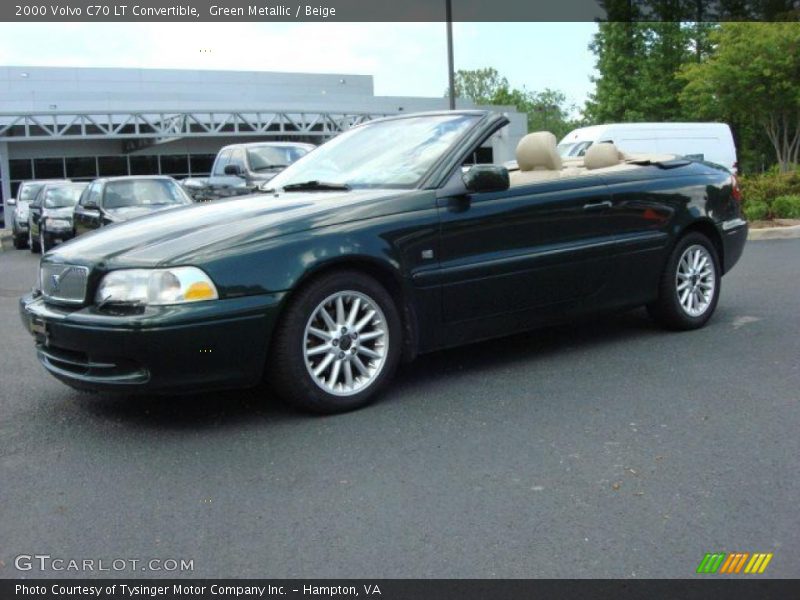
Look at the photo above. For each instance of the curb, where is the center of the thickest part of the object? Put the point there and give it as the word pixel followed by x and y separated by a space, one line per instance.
pixel 774 233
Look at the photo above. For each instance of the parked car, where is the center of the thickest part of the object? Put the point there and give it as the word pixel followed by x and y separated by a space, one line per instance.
pixel 712 142
pixel 375 247
pixel 26 192
pixel 50 215
pixel 240 169
pixel 115 199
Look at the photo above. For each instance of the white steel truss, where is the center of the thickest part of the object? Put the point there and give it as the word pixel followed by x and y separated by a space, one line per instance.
pixel 165 124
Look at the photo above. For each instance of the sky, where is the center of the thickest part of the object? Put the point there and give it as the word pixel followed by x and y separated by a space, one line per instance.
pixel 406 59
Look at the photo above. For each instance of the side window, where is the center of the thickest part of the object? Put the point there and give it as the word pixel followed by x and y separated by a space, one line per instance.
pixel 85 195
pixel 91 195
pixel 222 160
pixel 237 158
pixel 37 199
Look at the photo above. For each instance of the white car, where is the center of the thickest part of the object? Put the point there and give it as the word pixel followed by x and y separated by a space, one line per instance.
pixel 712 142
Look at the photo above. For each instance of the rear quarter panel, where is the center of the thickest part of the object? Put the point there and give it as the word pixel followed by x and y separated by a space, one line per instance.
pixel 654 208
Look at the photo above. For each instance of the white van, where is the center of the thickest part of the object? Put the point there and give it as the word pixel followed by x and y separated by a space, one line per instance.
pixel 704 141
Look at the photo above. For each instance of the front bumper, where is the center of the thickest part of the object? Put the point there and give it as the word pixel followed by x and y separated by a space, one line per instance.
pixel 19 227
pixel 185 348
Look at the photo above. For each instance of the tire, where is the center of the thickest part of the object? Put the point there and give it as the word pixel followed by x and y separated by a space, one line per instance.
pixel 20 241
pixel 34 247
pixel 360 376
pixel 685 301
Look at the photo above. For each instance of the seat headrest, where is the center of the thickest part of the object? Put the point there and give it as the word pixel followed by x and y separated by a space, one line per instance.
pixel 599 156
pixel 537 152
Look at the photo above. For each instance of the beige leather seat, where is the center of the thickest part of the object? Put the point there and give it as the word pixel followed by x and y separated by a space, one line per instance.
pixel 537 158
pixel 601 156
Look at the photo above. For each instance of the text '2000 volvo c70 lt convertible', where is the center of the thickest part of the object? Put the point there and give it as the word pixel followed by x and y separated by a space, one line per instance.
pixel 380 245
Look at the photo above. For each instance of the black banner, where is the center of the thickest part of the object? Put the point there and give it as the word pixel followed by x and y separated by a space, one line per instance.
pixel 400 589
pixel 407 10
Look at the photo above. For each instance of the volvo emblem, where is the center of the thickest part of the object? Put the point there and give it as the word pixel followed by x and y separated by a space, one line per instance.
pixel 55 280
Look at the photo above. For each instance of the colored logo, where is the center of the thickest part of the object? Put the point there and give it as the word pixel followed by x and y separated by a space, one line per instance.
pixel 734 563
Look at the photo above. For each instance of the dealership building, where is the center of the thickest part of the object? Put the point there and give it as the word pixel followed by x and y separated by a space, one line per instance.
pixel 83 123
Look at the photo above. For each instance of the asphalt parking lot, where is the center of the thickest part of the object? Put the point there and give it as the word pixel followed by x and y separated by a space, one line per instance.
pixel 602 449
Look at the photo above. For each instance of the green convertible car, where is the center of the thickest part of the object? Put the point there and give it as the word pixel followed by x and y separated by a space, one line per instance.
pixel 382 244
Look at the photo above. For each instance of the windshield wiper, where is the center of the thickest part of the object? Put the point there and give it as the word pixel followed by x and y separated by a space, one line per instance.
pixel 266 167
pixel 316 186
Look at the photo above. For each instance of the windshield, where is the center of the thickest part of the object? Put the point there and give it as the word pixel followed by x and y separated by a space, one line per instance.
pixel 396 153
pixel 63 195
pixel 271 157
pixel 28 191
pixel 143 192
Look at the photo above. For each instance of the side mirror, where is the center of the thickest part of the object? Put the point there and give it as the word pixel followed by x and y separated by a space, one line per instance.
pixel 232 170
pixel 11 201
pixel 486 178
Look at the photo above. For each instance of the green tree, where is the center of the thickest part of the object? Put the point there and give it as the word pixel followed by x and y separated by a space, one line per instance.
pixel 480 85
pixel 619 48
pixel 547 110
pixel 637 64
pixel 753 79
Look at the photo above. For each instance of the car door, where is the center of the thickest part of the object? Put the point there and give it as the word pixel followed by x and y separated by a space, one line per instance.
pixel 223 184
pixel 522 254
pixel 645 203
pixel 87 215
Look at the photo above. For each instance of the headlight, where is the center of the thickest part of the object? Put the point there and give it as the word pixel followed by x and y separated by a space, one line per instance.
pixel 156 286
pixel 59 223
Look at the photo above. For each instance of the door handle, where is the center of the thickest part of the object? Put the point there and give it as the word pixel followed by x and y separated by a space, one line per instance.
pixel 597 205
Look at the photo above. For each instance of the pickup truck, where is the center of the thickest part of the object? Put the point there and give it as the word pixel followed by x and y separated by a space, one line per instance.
pixel 240 169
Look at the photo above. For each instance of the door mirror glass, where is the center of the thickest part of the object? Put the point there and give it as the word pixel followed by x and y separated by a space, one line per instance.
pixel 11 201
pixel 232 170
pixel 486 178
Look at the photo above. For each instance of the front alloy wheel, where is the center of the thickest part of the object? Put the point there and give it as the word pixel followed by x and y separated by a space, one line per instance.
pixel 346 340
pixel 337 344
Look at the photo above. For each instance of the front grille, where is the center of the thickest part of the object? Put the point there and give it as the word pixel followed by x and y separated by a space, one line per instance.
pixel 64 283
pixel 80 366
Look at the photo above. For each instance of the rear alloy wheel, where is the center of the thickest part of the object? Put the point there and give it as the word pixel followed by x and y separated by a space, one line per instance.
pixel 689 287
pixel 338 344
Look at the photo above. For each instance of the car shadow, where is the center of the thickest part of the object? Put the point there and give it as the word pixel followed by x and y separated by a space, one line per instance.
pixel 523 347
pixel 190 411
pixel 237 407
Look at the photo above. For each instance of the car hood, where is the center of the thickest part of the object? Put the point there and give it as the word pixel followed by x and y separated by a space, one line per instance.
pixel 125 213
pixel 192 234
pixel 59 213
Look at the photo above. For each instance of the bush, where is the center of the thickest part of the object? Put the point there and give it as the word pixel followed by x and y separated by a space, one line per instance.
pixel 786 207
pixel 756 211
pixel 765 187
